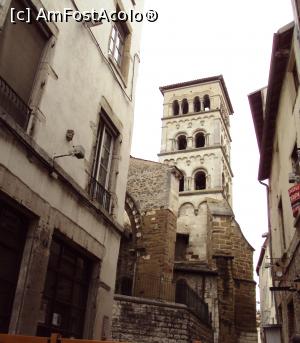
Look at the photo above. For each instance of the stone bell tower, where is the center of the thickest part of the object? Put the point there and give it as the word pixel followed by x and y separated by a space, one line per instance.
pixel 196 139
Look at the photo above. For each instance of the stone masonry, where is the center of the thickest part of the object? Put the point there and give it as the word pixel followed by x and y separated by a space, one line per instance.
pixel 144 321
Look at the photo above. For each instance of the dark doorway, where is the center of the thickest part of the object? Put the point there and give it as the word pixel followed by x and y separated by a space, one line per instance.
pixel 66 290
pixel 13 229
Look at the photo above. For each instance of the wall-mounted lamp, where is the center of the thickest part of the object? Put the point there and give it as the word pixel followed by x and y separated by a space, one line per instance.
pixel 77 151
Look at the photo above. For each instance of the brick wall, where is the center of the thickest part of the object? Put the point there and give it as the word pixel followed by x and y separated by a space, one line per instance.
pixel 139 320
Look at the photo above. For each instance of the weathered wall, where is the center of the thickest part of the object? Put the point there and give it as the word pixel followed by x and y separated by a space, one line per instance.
pixel 232 256
pixel 152 185
pixel 158 239
pixel 139 320
pixel 65 96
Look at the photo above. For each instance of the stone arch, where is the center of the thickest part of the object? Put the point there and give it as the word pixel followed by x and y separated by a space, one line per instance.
pixel 185 106
pixel 197 104
pixel 181 142
pixel 175 108
pixel 128 247
pixel 200 179
pixel 200 139
pixel 186 209
pixel 206 102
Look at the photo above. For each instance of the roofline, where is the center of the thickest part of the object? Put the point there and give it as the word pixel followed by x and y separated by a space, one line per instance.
pixel 279 60
pixel 261 255
pixel 220 78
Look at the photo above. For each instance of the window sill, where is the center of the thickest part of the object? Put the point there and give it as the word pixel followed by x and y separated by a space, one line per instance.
pixel 117 70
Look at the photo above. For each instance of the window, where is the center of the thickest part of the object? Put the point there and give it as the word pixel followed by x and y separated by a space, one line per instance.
pixel 200 140
pixel 206 103
pixel 185 106
pixel 181 142
pixel 182 242
pixel 21 49
pixel 12 239
pixel 65 292
pixel 117 42
pixel 295 76
pixel 197 104
pixel 200 180
pixel 181 184
pixel 103 161
pixel 175 107
pixel 281 224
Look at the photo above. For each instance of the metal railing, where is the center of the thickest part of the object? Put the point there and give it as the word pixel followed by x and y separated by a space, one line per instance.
pixel 159 288
pixel 100 194
pixel 152 287
pixel 186 295
pixel 13 105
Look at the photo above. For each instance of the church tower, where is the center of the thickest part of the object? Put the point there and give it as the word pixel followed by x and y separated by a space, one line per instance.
pixel 196 139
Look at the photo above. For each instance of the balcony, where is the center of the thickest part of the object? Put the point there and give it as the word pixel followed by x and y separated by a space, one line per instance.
pixel 13 105
pixel 100 194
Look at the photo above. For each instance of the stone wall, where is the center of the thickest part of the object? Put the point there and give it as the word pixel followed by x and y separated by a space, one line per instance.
pixel 232 257
pixel 138 320
pixel 150 184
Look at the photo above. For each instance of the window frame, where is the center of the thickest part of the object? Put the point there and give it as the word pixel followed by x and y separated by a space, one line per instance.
pixel 121 64
pixel 120 37
pixel 98 187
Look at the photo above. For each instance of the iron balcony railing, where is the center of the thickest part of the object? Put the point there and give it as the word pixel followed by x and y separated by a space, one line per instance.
pixel 100 194
pixel 13 105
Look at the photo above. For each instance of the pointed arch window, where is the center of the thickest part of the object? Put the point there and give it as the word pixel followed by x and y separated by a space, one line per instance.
pixel 200 180
pixel 200 140
pixel 185 106
pixel 181 142
pixel 206 102
pixel 175 107
pixel 197 104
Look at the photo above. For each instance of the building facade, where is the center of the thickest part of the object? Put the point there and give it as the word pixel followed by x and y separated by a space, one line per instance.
pixel 66 116
pixel 275 113
pixel 268 325
pixel 208 255
pixel 183 246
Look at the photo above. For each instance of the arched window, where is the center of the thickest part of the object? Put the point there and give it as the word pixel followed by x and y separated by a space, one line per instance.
pixel 185 106
pixel 175 107
pixel 197 104
pixel 181 142
pixel 199 140
pixel 200 180
pixel 206 102
pixel 181 184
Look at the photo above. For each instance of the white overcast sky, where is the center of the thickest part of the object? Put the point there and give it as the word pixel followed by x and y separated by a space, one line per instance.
pixel 199 38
